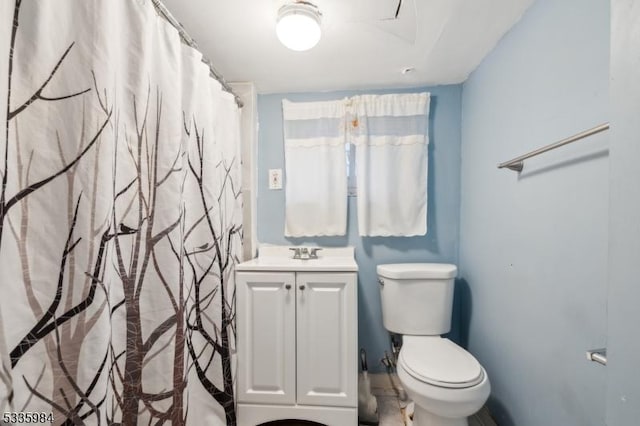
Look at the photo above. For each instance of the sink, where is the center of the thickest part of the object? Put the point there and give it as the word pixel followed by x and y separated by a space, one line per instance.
pixel 280 258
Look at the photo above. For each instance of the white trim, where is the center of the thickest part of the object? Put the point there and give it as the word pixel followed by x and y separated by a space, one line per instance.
pixel 249 146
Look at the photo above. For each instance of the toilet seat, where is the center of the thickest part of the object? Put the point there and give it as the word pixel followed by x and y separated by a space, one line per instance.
pixel 439 362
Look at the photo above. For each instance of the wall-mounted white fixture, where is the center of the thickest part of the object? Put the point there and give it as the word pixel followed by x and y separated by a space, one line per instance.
pixel 298 25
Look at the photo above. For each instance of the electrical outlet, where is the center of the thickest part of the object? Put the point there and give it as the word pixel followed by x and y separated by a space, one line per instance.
pixel 275 178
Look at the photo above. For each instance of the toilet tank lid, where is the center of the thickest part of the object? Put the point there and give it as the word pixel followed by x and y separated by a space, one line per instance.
pixel 417 270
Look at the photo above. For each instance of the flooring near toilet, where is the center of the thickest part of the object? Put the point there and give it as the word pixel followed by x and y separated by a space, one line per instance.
pixel 394 409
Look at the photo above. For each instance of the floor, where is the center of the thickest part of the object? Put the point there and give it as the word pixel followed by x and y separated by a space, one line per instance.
pixel 392 403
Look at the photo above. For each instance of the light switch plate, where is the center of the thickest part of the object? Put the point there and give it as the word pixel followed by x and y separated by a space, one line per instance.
pixel 275 178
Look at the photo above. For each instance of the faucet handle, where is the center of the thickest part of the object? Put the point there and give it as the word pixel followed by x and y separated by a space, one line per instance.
pixel 313 252
pixel 296 252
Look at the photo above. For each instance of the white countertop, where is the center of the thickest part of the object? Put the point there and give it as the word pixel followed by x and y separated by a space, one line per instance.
pixel 280 258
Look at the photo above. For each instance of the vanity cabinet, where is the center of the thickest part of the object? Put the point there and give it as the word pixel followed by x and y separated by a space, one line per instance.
pixel 266 343
pixel 326 339
pixel 297 346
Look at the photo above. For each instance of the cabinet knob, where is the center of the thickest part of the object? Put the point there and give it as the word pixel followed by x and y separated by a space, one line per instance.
pixel 302 287
pixel 288 286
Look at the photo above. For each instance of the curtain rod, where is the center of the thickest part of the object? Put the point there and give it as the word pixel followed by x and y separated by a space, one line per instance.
pixel 189 41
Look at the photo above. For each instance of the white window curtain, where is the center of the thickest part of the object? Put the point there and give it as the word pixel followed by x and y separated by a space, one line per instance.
pixel 315 167
pixel 390 133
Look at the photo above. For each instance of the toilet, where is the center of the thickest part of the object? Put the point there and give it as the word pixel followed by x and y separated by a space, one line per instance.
pixel 446 383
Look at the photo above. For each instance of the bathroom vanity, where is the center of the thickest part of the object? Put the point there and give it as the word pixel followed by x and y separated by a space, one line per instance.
pixel 297 337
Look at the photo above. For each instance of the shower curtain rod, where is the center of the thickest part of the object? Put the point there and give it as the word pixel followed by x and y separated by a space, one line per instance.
pixel 189 41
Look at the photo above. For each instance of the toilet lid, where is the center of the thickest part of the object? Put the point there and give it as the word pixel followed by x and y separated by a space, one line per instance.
pixel 439 362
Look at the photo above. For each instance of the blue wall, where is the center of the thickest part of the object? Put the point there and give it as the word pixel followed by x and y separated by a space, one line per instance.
pixel 533 246
pixel 439 245
pixel 623 339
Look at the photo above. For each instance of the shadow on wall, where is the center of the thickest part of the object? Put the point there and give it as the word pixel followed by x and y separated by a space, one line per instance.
pixel 460 320
pixel 461 315
pixel 563 164
pixel 499 412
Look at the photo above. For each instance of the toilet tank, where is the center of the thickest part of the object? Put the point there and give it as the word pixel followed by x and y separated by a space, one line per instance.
pixel 417 298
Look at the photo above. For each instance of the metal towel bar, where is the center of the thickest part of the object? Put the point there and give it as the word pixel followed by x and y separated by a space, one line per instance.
pixel 598 355
pixel 517 165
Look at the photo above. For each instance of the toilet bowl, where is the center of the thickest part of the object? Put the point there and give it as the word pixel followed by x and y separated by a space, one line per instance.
pixel 446 383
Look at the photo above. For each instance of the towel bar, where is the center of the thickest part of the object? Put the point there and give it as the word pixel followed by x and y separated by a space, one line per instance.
pixel 517 165
pixel 598 355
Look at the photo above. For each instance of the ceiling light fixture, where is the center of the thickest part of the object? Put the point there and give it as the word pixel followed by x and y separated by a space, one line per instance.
pixel 298 25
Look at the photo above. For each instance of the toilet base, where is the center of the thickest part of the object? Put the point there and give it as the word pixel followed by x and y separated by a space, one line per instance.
pixel 422 417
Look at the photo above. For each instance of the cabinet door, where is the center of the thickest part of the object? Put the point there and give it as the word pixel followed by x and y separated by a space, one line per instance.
pixel 327 339
pixel 266 337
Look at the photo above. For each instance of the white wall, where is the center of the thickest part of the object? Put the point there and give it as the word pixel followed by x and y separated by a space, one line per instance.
pixel 246 91
pixel 623 381
pixel 534 246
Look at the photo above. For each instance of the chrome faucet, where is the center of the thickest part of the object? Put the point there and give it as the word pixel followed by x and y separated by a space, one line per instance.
pixel 304 253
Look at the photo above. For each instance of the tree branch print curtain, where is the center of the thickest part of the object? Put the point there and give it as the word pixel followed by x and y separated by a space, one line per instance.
pixel 120 219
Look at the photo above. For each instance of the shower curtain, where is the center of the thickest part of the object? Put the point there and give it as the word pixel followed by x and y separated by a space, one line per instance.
pixel 120 220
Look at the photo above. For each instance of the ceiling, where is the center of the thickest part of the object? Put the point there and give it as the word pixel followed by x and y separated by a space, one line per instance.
pixel 363 45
